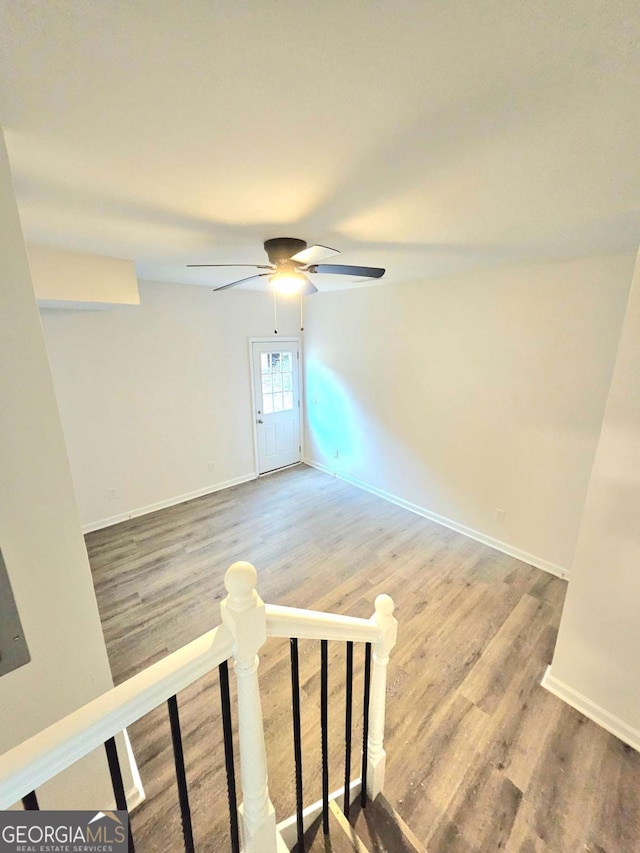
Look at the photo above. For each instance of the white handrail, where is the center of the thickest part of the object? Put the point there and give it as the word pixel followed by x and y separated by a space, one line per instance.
pixel 38 759
pixel 315 625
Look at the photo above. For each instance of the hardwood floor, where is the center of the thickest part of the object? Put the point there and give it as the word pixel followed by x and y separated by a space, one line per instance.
pixel 479 756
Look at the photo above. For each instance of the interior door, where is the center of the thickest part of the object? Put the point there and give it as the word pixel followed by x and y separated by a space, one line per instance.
pixel 276 382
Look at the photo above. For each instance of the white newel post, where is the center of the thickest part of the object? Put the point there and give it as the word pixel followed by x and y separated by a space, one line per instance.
pixel 388 626
pixel 243 613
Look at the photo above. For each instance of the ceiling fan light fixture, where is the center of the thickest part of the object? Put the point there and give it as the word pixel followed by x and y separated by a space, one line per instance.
pixel 287 283
pixel 291 260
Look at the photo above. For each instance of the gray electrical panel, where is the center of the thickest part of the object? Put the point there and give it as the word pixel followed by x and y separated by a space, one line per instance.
pixel 13 646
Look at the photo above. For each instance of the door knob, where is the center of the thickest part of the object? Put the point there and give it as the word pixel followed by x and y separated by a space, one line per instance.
pixel 259 420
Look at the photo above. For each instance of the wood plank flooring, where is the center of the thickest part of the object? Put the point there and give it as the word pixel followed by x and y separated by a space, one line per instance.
pixel 479 756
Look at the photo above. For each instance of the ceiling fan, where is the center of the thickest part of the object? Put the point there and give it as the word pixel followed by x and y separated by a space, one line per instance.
pixel 290 261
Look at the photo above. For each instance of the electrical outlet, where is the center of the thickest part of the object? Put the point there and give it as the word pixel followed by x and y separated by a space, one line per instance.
pixel 212 466
pixel 112 493
pixel 314 398
pixel 500 514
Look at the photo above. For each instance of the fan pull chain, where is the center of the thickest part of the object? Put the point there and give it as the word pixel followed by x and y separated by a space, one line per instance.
pixel 275 312
pixel 301 316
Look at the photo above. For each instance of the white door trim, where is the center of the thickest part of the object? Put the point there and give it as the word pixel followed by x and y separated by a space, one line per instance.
pixel 270 340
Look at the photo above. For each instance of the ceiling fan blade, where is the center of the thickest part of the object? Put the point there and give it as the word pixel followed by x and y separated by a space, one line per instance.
pixel 254 266
pixel 242 280
pixel 308 288
pixel 313 254
pixel 341 269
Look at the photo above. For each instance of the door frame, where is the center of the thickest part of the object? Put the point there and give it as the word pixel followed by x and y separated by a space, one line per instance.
pixel 272 339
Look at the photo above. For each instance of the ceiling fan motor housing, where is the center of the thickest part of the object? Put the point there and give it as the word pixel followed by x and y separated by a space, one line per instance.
pixel 280 249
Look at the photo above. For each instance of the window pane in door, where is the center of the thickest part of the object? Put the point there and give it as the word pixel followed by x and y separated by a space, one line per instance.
pixel 277 381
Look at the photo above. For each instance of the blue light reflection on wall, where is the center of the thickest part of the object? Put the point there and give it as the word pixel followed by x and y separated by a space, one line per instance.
pixel 369 449
pixel 331 421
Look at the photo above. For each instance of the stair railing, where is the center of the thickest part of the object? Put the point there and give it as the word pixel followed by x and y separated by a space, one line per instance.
pixel 388 632
pixel 379 633
pixel 246 624
pixel 33 762
pixel 243 613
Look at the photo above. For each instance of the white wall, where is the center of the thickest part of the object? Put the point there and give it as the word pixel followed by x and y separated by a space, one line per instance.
pixel 79 280
pixel 149 396
pixel 596 665
pixel 40 534
pixel 467 394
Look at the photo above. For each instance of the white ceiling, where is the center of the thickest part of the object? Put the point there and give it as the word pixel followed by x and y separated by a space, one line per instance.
pixel 425 137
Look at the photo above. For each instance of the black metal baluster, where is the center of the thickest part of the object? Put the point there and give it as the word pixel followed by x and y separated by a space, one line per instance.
pixel 118 784
pixel 297 741
pixel 227 728
pixel 365 724
pixel 30 802
pixel 348 714
pixel 324 723
pixel 181 776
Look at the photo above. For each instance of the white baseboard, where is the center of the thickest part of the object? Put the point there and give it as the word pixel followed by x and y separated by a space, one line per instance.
pixel 135 798
pixel 530 559
pixel 135 795
pixel 613 724
pixel 145 510
pixel 287 828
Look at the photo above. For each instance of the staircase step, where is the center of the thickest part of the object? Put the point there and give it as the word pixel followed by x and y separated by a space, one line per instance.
pixel 341 838
pixel 381 828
